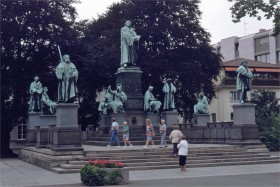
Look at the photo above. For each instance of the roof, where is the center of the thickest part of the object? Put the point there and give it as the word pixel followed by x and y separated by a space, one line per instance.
pixel 253 65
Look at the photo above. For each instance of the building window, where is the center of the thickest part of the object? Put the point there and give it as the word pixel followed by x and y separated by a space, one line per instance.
pixel 213 117
pixel 263 58
pixel 234 96
pixel 21 131
pixel 264 41
pixel 231 116
pixel 278 57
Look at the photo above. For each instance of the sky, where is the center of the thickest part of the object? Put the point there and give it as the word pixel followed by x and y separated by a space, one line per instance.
pixel 216 18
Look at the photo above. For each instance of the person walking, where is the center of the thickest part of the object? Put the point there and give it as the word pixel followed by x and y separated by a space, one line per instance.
pixel 114 137
pixel 162 129
pixel 125 130
pixel 150 133
pixel 183 147
pixel 175 137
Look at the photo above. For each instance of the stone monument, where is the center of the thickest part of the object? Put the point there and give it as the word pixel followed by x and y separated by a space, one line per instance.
pixel 201 113
pixel 169 113
pixel 243 80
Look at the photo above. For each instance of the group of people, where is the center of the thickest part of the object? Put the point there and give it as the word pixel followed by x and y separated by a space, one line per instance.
pixel 178 140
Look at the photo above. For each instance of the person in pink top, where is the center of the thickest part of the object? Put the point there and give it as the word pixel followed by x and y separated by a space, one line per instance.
pixel 150 133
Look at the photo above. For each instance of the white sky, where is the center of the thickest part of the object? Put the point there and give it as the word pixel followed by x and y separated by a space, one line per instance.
pixel 216 18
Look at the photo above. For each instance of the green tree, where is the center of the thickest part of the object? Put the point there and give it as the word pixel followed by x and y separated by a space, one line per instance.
pixel 30 33
pixel 173 44
pixel 268 118
pixel 253 8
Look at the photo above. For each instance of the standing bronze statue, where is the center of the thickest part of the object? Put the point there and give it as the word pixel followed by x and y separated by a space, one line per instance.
pixel 35 91
pixel 169 90
pixel 67 75
pixel 128 45
pixel 243 80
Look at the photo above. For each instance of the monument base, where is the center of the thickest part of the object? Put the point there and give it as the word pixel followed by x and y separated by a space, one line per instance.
pixel 31 137
pixel 66 139
pixel 201 119
pixel 42 137
pixel 170 118
pixel 244 114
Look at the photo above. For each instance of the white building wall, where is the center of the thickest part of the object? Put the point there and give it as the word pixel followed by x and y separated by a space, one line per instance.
pixel 246 47
pixel 228 48
pixel 272 49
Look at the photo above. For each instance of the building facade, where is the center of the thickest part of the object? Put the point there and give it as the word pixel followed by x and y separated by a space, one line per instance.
pixel 261 46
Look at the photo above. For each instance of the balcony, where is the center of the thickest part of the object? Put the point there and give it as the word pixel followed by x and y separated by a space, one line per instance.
pixel 255 82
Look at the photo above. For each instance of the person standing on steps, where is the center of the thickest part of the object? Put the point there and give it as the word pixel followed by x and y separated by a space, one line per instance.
pixel 115 130
pixel 175 137
pixel 150 133
pixel 183 147
pixel 162 129
pixel 125 130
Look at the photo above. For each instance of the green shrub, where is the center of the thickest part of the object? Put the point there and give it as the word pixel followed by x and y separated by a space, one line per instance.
pixel 94 174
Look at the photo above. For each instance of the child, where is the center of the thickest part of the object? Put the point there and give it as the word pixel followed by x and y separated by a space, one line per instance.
pixel 183 147
pixel 125 131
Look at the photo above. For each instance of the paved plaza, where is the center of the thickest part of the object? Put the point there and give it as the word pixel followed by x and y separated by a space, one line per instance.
pixel 16 173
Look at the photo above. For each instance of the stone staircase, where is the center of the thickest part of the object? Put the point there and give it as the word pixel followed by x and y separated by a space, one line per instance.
pixel 137 137
pixel 138 158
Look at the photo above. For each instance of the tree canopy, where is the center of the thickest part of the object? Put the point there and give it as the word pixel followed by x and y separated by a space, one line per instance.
pixel 271 9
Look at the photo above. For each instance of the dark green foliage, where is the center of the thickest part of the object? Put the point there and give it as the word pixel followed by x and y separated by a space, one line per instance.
pixel 268 118
pixel 95 176
pixel 172 44
pixel 252 8
pixel 30 33
pixel 92 176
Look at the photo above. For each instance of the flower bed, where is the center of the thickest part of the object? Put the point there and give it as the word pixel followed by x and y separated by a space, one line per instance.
pixel 104 172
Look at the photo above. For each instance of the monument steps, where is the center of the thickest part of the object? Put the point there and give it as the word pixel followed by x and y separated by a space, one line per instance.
pixel 141 159
pixel 105 143
pixel 163 159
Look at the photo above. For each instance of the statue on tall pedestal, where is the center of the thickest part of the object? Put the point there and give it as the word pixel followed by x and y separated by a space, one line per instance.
pixel 202 105
pixel 243 80
pixel 35 91
pixel 150 102
pixel 67 75
pixel 48 106
pixel 128 45
pixel 169 90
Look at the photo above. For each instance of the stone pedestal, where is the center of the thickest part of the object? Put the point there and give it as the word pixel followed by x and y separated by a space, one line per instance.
pixel 170 118
pixel 31 137
pixel 46 120
pixel 42 137
pixel 67 139
pixel 66 134
pixel 153 117
pixel 130 79
pixel 67 115
pixel 244 114
pixel 50 135
pixel 33 120
pixel 201 119
pixel 244 126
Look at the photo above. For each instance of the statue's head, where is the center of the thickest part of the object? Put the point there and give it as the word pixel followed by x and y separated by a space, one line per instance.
pixel 36 78
pixel 244 62
pixel 66 58
pixel 45 89
pixel 119 87
pixel 127 23
pixel 151 88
